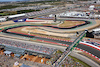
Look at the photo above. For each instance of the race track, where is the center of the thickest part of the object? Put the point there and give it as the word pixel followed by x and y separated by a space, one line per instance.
pixel 91 50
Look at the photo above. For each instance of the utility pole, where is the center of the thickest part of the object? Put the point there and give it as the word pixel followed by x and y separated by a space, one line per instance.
pixel 55 19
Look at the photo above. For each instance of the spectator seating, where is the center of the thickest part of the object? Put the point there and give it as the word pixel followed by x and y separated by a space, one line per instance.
pixel 32 47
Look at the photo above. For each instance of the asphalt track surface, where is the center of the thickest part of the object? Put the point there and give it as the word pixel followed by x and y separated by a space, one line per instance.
pixel 91 50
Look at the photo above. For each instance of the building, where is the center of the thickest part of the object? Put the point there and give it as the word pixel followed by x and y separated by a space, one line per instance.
pixel 97 1
pixel 91 7
pixel 2 19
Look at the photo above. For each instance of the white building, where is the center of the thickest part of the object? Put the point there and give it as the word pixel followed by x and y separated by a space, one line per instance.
pixel 73 14
pixel 17 15
pixel 2 19
pixel 96 31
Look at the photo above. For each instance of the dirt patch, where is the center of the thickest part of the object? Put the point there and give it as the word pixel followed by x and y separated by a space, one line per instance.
pixel 67 24
pixel 7 22
pixel 4 26
pixel 35 59
pixel 98 21
pixel 18 30
pixel 39 33
pixel 33 29
pixel 38 30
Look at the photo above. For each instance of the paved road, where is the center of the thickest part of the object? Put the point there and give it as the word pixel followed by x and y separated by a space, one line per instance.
pixel 84 47
pixel 84 59
pixel 90 50
pixel 74 29
pixel 51 40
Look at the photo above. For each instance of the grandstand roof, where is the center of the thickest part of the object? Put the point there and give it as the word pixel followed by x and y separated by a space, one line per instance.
pixel 17 55
pixel 15 50
pixel 17 15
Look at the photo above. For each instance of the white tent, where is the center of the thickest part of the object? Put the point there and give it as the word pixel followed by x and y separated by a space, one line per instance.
pixel 91 7
pixel 17 15
pixel 2 19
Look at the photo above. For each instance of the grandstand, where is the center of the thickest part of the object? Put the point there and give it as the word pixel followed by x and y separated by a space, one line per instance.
pixel 17 17
pixel 73 14
pixel 36 52
pixel 46 18
pixel 27 46
pixel 92 43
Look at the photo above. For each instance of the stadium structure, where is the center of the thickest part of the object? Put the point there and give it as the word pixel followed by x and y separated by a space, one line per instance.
pixel 46 40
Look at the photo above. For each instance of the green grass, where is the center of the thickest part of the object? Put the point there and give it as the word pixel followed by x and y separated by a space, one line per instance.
pixel 59 51
pixel 37 2
pixel 83 63
pixel 26 11
pixel 8 7
pixel 33 2
pixel 3 14
pixel 16 12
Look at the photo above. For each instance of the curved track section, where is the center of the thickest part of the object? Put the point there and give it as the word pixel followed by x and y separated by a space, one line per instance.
pixel 81 46
pixel 91 50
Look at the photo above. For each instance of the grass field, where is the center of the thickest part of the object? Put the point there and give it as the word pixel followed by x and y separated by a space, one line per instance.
pixel 8 6
pixel 3 14
pixel 66 24
pixel 83 63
